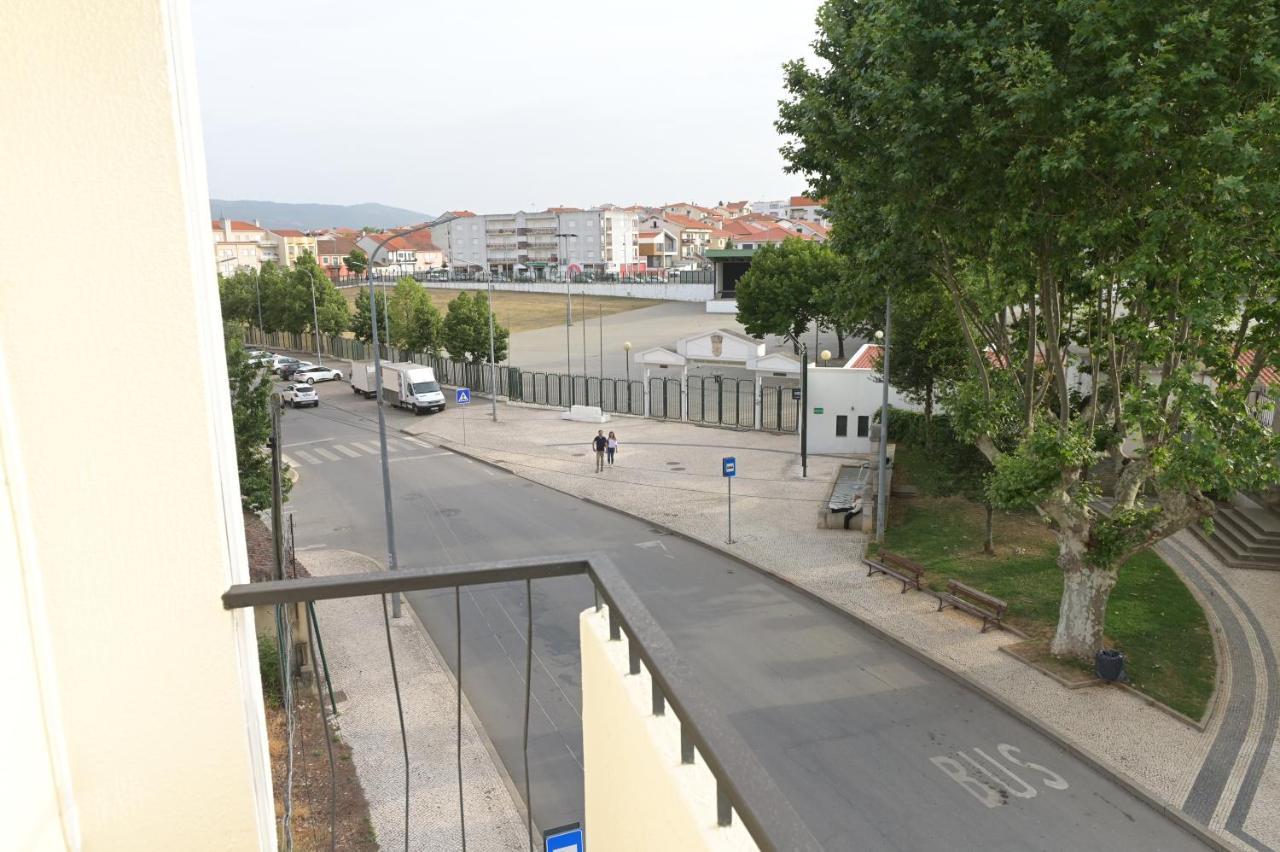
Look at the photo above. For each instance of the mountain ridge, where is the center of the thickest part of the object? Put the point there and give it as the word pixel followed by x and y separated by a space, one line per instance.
pixel 307 216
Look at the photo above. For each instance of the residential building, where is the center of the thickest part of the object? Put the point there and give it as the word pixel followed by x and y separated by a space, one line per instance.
pixel 238 245
pixel 541 243
pixel 659 248
pixel 811 230
pixel 795 207
pixel 332 253
pixel 401 254
pixel 691 211
pixel 291 244
pixel 695 234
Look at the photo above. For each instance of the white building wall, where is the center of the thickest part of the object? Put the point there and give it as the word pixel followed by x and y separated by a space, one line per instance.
pixel 145 729
pixel 853 394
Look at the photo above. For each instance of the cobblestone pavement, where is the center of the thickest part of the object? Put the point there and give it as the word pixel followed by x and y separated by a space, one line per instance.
pixel 1227 776
pixel 355 645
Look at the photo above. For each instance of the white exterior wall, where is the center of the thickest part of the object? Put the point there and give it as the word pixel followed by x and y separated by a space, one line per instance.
pixel 587 249
pixel 622 247
pixel 638 794
pixel 467 241
pixel 134 716
pixel 663 291
pixel 852 393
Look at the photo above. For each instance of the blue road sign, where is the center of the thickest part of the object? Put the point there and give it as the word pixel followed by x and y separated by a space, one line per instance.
pixel 729 466
pixel 463 396
pixel 566 838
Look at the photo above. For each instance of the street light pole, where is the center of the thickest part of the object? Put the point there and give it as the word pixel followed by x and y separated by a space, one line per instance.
pixel 626 348
pixel 804 411
pixel 881 496
pixel 315 317
pixel 493 364
pixel 568 302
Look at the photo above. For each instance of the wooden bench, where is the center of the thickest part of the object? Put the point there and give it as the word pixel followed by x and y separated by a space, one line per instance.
pixel 990 609
pixel 908 572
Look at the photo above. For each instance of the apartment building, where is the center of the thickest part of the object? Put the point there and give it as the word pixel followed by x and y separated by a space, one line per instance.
pixel 795 207
pixel 541 243
pixel 332 253
pixel 291 244
pixel 238 245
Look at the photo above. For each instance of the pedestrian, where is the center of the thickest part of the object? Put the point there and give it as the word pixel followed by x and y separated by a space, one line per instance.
pixel 599 444
pixel 611 447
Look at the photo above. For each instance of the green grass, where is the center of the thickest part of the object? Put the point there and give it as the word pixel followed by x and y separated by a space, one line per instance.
pixel 1151 616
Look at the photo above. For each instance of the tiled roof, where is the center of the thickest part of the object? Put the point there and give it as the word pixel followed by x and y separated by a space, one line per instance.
pixel 461 213
pixel 1269 375
pixel 865 358
pixel 287 232
pixel 686 222
pixel 419 241
pixel 773 235
pixel 801 201
pixel 236 225
pixel 564 209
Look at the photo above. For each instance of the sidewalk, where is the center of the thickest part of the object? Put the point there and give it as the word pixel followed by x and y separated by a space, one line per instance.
pixel 1227 776
pixel 355 644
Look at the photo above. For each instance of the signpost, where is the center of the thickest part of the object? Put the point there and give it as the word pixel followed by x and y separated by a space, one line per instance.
pixel 566 838
pixel 795 394
pixel 729 469
pixel 463 397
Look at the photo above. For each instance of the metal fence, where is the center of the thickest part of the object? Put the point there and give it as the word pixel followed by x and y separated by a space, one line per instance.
pixel 722 401
pixel 665 399
pixel 778 411
pixel 704 275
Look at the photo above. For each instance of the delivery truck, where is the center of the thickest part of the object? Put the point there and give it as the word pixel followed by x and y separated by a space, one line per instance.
pixel 411 386
pixel 363 380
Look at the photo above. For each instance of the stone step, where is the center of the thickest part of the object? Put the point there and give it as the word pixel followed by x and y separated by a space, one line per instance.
pixel 1264 524
pixel 1234 557
pixel 1229 526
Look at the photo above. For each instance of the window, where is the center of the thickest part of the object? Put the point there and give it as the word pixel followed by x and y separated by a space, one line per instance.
pixel 864 426
pixel 842 425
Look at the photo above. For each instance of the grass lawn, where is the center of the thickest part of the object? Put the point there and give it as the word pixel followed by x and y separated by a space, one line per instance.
pixel 1151 616
pixel 526 311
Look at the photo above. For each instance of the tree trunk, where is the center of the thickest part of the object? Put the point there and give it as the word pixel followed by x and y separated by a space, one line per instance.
pixel 988 542
pixel 1085 591
pixel 840 341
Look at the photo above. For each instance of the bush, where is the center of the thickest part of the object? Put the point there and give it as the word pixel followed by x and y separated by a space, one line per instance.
pixel 269 666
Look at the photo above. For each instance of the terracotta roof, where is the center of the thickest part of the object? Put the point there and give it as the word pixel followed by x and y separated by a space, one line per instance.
pixel 461 213
pixel 773 235
pixel 802 201
pixel 866 358
pixel 236 225
pixel 564 209
pixel 287 232
pixel 419 241
pixel 735 205
pixel 687 223
pixel 337 245
pixel 1269 375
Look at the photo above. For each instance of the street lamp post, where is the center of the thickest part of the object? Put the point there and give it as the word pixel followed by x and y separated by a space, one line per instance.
pixel 626 348
pixel 568 303
pixel 493 364
pixel 881 496
pixel 315 317
pixel 804 411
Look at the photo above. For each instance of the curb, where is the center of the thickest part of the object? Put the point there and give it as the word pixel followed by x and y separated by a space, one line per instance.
pixel 1171 812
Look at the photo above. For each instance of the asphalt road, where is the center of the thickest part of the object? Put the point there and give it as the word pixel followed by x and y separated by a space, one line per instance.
pixel 874 749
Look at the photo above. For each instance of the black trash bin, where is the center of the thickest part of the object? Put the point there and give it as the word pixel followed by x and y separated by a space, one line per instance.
pixel 1108 664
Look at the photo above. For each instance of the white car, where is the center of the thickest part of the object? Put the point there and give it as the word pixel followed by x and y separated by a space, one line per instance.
pixel 311 375
pixel 297 395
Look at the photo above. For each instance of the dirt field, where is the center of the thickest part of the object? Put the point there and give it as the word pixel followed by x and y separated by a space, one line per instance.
pixel 525 311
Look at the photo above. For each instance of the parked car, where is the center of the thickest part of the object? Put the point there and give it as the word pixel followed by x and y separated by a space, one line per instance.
pixel 438 275
pixel 311 375
pixel 286 371
pixel 281 361
pixel 299 395
pixel 260 357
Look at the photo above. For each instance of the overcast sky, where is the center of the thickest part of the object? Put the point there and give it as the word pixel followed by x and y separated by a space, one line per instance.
pixel 497 105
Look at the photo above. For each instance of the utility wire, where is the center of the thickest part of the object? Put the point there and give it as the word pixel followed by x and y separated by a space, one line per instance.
pixel 528 680
pixel 404 740
pixel 313 631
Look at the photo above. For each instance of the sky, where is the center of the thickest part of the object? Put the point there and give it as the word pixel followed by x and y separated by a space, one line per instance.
pixel 497 105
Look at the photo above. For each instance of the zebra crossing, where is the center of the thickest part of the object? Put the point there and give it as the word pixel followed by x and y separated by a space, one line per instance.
pixel 321 452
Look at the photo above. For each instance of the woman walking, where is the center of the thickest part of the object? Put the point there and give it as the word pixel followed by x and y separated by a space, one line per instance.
pixel 612 446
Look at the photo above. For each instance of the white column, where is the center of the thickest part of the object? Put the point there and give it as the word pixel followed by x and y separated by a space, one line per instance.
pixel 759 401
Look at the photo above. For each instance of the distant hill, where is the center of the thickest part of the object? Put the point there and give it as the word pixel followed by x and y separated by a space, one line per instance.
pixel 275 214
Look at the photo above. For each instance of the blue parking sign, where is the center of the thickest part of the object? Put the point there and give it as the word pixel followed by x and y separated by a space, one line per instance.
pixel 463 396
pixel 566 838
pixel 729 466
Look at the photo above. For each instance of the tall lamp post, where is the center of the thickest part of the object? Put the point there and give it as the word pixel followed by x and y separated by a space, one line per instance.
pixel 881 488
pixel 568 303
pixel 315 317
pixel 493 364
pixel 626 348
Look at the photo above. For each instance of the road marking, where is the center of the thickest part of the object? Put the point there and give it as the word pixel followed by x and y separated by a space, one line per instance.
pixel 658 544
pixel 306 443
pixel 427 456
pixel 990 789
pixel 290 462
pixel 322 452
pixel 420 443
pixel 346 451
pixel 306 457
pixel 367 446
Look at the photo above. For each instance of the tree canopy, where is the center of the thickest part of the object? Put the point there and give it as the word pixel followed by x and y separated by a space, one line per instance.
pixel 357 261
pixel 250 390
pixel 414 321
pixel 1090 190
pixel 787 287
pixel 466 330
pixel 285 296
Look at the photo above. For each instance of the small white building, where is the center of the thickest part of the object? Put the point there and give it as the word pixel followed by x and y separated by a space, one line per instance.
pixel 843 402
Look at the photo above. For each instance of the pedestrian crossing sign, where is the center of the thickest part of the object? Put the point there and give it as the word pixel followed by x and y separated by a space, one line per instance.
pixel 463 396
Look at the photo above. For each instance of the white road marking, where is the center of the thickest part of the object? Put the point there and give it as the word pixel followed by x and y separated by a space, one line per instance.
pixel 420 443
pixel 648 545
pixel 346 451
pixel 288 460
pixel 994 791
pixel 322 452
pixel 427 456
pixel 305 443
pixel 367 446
pixel 306 457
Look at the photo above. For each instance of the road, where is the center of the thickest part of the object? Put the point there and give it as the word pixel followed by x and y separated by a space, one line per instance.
pixel 874 749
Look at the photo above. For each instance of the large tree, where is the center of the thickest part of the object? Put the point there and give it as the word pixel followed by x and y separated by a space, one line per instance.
pixel 250 390
pixel 414 321
pixel 786 288
pixel 357 261
pixel 466 330
pixel 1094 189
pixel 238 293
pixel 331 309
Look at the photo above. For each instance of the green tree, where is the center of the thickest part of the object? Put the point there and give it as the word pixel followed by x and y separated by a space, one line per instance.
pixel 331 306
pixel 250 390
pixel 238 294
pixel 357 261
pixel 784 290
pixel 415 322
pixel 466 330
pixel 1094 187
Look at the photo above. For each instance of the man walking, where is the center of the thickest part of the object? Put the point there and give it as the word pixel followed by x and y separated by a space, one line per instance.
pixel 600 443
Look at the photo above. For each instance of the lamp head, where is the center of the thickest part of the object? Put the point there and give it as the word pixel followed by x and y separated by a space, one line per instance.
pixel 627 345
pixel 826 355
pixel 879 335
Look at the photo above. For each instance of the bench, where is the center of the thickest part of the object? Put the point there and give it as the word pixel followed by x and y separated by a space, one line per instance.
pixel 990 609
pixel 585 414
pixel 908 572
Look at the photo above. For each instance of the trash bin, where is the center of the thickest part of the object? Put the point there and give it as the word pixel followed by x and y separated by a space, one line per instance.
pixel 1108 664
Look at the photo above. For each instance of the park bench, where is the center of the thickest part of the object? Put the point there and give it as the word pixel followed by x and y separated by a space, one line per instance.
pixel 910 573
pixel 990 609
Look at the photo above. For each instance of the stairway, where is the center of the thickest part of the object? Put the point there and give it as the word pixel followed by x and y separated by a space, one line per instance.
pixel 1245 535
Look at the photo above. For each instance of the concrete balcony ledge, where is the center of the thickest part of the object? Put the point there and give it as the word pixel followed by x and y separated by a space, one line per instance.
pixel 639 796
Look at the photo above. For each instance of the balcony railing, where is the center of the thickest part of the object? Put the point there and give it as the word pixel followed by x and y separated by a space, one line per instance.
pixel 742 784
